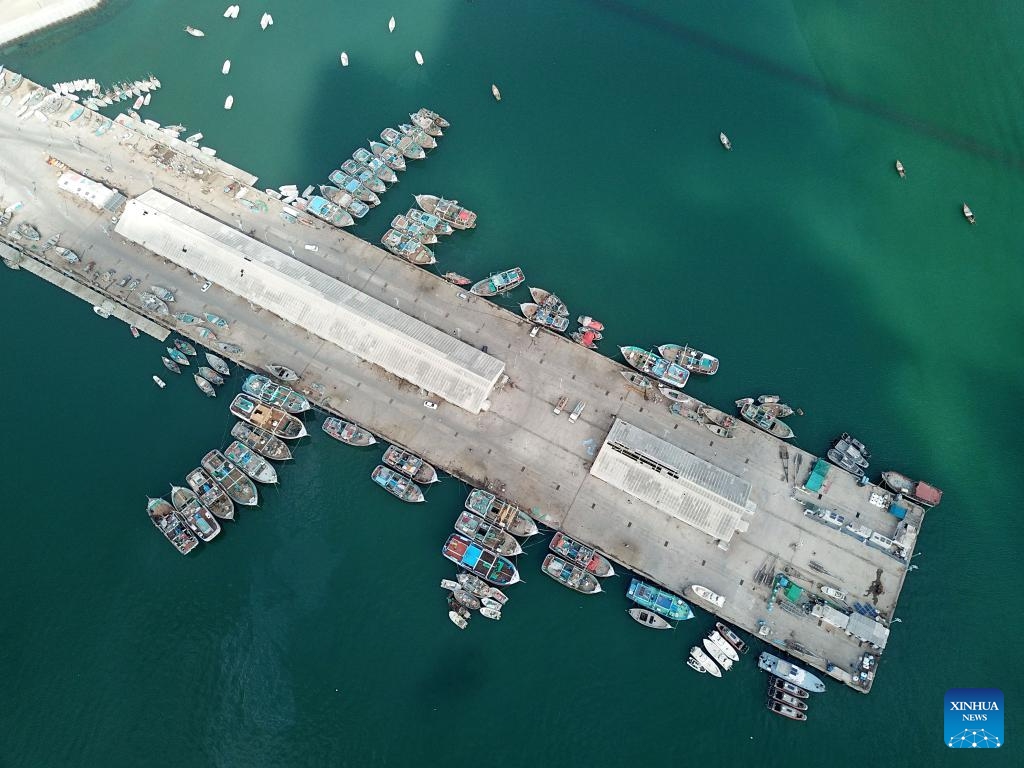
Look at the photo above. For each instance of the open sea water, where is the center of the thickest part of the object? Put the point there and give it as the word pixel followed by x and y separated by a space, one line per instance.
pixel 313 632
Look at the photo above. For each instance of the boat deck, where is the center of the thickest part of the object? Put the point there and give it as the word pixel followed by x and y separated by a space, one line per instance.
pixel 518 448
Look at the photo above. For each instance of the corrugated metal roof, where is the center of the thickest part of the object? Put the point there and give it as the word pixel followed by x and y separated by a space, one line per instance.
pixel 672 480
pixel 326 307
pixel 867 629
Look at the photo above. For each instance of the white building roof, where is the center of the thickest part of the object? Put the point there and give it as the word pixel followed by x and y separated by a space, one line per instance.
pixel 673 480
pixel 312 300
pixel 91 191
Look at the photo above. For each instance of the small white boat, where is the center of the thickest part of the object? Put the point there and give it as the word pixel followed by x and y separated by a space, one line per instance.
pixel 229 102
pixel 717 654
pixel 226 67
pixel 725 141
pixel 832 592
pixel 730 652
pixel 705 661
pixel 195 32
pixel 419 58
pixel 450 584
pixel 227 12
pixel 901 170
pixel 490 613
pixel 495 92
pixel 139 102
pixel 968 213
pixel 159 382
pixel 457 620
pixel 648 618
pixel 706 595
pixel 391 24
pixel 194 137
pixel 146 99
pixel 344 59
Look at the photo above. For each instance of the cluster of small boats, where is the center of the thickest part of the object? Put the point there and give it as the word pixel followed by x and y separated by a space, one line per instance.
pixel 789 687
pixel 467 593
pixel 402 472
pixel 850 454
pixel 206 378
pixel 722 648
pixel 139 90
pixel 671 365
pixel 413 231
pixel 766 413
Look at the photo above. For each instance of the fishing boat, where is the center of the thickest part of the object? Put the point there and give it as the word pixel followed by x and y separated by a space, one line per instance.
pixel 211 494
pixel 152 303
pixel 571 576
pixel 764 399
pixel 364 176
pixel 549 301
pixel 170 365
pixel 921 492
pixel 705 595
pixel 724 140
pixel 580 554
pixel 504 513
pixel 403 144
pixel 231 349
pixel 789 700
pixel 657 367
pixel 490 612
pixel 777 410
pixel 430 221
pixel 410 465
pixel 425 124
pixel 450 584
pixel 162 515
pixel 586 321
pixel 793 690
pixel 673 394
pixel 488 535
pixel 781 709
pixel 194 514
pixel 447 210
pixel 261 441
pixel 658 600
pixel 344 58
pixel 332 212
pixel 216 320
pixel 544 317
pixel 397 485
pixel 456 279
pixel 407 247
pixel 218 365
pixel 348 432
pixel 240 488
pixel 419 57
pixel 706 662
pixel 691 359
pixel 901 170
pixel 28 232
pixel 391 24
pixel 488 565
pixel 467 599
pixel 790 673
pixel 275 394
pixel 283 373
pixel 731 637
pixel 458 620
pixel 421 233
pixel 495 92
pixel 968 213
pixel 500 282
pixel 755 414
pixel 394 159
pixel 418 135
pixel 195 32
pixel 159 382
pixel 585 338
pixel 204 386
pixel 187 317
pixel 275 420
pixel 183 346
pixel 177 356
pixel 435 117
pixel 724 646
pixel 378 165
pixel 716 653
pixel 211 375
pixel 481 588
pixel 695 665
pixel 648 618
pixel 354 187
pixel 161 293
pixel 250 462
pixel 67 254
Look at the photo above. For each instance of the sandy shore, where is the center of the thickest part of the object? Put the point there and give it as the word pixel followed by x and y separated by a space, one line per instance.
pixel 23 17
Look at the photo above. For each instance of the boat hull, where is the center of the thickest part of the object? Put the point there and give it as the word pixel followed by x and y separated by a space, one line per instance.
pixel 571 576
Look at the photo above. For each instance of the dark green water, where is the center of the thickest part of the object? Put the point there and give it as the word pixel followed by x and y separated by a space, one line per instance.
pixel 313 631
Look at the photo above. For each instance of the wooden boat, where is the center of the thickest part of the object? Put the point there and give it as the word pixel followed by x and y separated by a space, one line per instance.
pixel 399 486
pixel 391 156
pixel 183 346
pixel 277 395
pixel 348 432
pixel 648 618
pixel 378 165
pixel 407 247
pixel 447 210
pixel 731 637
pixel 777 410
pixel 781 709
pixel 435 117
pixel 403 144
pixel 790 673
pixel 488 565
pixel 211 494
pixel 585 338
pixel 187 317
pixel 231 349
pixel 456 279
pixel 691 359
pixel 176 356
pixel 152 303
pixel 250 462
pixel 505 514
pixel 364 176
pixel 495 92
pixel 481 588
pixel 656 367
pixel 724 140
pixel 765 399
pixel 543 317
pixel 500 282
pixel 170 365
pixel 755 414
pixel 920 492
pixel 240 488
pixel 204 386
pixel 571 576
pixel 673 394
pixel 457 620
pixel 580 554
pixel 425 124
pixel 195 32
pixel 432 222
pixel 489 602
pixel 717 654
pixel 211 375
pixel 784 698
pixel 205 333
pixel 216 320
pixel 403 225
pixel 698 655
pixel 261 441
pixel 730 652
pixel 488 535
pixel 194 514
pixel 274 420
pixel 901 170
pixel 490 612
pixel 336 207
pixel 469 600
pixel 162 515
pixel 658 600
pixel 282 372
pixel 161 293
pixel 968 213
pixel 787 687
pixel 218 364
pixel 410 465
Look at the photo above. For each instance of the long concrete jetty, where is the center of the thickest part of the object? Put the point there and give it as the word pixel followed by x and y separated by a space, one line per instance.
pixel 802 555
pixel 21 18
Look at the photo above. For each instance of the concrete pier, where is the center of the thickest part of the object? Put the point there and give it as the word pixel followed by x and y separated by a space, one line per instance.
pixel 24 17
pixel 645 515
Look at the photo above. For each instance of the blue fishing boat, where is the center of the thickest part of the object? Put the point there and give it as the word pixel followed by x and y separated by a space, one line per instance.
pixel 177 356
pixel 327 211
pixel 499 283
pixel 486 564
pixel 220 322
pixel 656 367
pixel 658 600
pixel 275 394
pixel 354 187
pixel 691 359
pixel 187 317
pixel 396 484
pixel 250 462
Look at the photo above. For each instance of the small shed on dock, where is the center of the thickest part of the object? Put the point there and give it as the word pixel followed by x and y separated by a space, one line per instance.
pixel 868 630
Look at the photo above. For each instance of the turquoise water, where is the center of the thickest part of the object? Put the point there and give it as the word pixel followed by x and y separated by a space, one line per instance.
pixel 312 632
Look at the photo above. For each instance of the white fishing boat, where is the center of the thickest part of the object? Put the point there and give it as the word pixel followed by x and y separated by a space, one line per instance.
pixel 648 618
pixel 225 67
pixel 725 141
pixel 159 382
pixel 450 584
pixel 901 170
pixel 968 213
pixel 457 620
pixel 229 102
pixel 195 32
pixel 146 99
pixel 717 654
pixel 139 102
pixel 195 137
pixel 344 59
pixel 495 92
pixel 705 661
pixel 419 58
pixel 705 595
pixel 391 24
pixel 724 646
pixel 490 613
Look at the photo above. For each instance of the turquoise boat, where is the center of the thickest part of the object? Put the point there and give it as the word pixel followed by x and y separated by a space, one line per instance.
pixel 76 114
pixel 187 317
pixel 238 486
pixel 484 563
pixel 275 394
pixel 499 283
pixel 658 600
pixel 177 356
pixel 397 485
pixel 220 322
pixel 250 462
pixel 691 359
pixel 656 367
